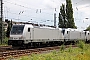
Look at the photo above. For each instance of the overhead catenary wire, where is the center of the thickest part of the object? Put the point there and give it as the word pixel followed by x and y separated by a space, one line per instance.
pixel 79 2
pixel 9 12
pixel 40 10
pixel 24 6
pixel 29 18
pixel 27 7
pixel 25 16
pixel 40 22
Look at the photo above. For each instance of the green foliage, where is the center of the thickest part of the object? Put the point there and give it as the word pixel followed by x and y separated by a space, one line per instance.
pixel 1 30
pixel 81 44
pixel 69 14
pixel 62 48
pixel 60 23
pixel 5 41
pixel 88 28
pixel 73 54
pixel 70 49
pixel 66 19
pixel 68 54
pixel 11 24
pixel 54 52
pixel 62 17
pixel 8 29
pixel 24 58
pixel 48 58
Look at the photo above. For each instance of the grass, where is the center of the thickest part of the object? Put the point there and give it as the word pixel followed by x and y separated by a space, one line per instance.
pixel 5 42
pixel 82 52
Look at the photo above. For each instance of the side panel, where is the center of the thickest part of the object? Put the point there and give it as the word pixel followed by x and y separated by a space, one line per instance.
pixel 74 35
pixel 88 35
pixel 32 33
pixel 66 35
pixel 44 34
pixel 27 34
pixel 83 36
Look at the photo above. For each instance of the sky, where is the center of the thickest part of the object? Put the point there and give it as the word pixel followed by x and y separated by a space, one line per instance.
pixel 42 11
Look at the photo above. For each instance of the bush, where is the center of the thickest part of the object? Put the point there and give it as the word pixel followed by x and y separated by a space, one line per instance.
pixel 62 47
pixel 54 52
pixel 68 54
pixel 70 49
pixel 81 44
pixel 5 40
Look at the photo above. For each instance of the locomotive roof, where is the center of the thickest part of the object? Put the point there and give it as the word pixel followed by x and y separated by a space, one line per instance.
pixel 70 29
pixel 35 26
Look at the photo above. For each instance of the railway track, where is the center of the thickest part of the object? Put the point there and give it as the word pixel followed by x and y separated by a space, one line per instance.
pixel 5 48
pixel 17 53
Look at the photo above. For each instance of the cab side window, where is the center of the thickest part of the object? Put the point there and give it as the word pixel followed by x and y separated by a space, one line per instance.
pixel 67 32
pixel 28 29
pixel 63 31
pixel 85 33
pixel 88 33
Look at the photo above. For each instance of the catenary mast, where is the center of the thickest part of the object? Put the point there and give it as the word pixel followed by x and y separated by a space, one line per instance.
pixel 1 20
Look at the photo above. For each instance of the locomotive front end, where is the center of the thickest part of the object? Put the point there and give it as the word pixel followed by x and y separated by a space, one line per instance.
pixel 16 35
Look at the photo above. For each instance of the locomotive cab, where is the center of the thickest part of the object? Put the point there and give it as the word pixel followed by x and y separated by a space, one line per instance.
pixel 16 35
pixel 19 35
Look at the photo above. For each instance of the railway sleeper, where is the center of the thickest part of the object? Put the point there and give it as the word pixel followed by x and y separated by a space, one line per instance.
pixel 13 53
pixel 27 52
pixel 5 54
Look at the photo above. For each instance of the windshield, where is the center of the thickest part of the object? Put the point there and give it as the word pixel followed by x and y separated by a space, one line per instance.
pixel 17 29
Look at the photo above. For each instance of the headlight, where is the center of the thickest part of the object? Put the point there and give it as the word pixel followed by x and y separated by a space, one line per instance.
pixel 21 37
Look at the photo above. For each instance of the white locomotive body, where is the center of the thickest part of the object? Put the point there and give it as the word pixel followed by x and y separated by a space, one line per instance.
pixel 74 34
pixel 27 34
pixel 87 35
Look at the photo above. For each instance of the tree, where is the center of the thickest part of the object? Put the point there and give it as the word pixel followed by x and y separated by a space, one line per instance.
pixel 88 28
pixel 60 24
pixel 69 14
pixel 8 29
pixel 66 16
pixel 1 30
pixel 11 24
pixel 62 17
